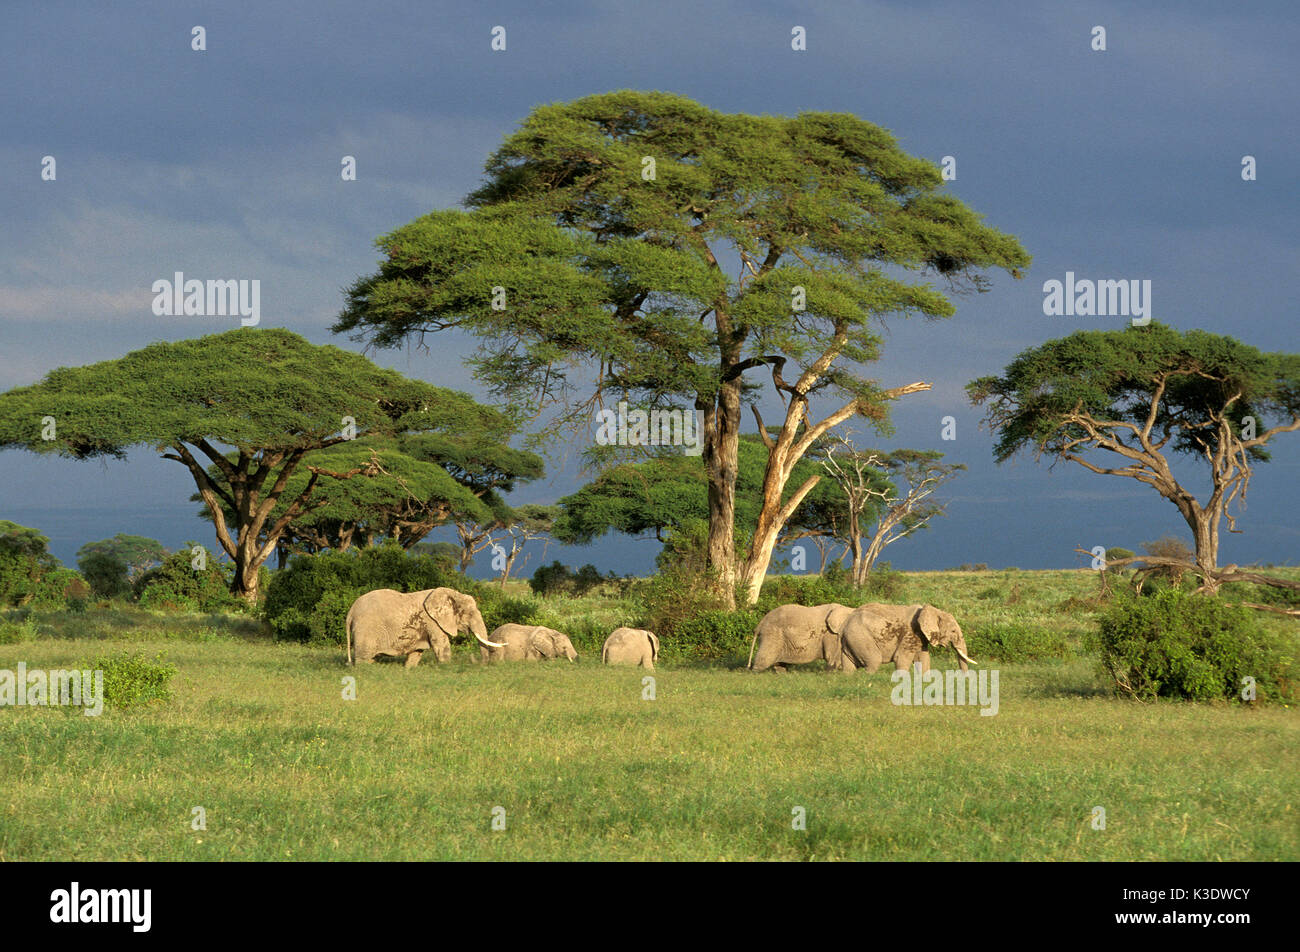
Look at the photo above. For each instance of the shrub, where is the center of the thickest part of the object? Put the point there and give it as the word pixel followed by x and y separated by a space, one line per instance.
pixel 1168 547
pixel 327 622
pixel 106 574
pixel 56 588
pixel 498 609
pixel 17 632
pixel 131 679
pixel 1178 645
pixel 1015 642
pixel 671 598
pixel 295 591
pixel 711 635
pixel 555 579
pixel 972 567
pixel 177 585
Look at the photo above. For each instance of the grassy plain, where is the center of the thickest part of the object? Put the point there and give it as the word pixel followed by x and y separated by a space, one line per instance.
pixel 259 735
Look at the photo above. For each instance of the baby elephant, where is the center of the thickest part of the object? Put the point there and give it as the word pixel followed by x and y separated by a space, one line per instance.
pixel 631 646
pixel 529 643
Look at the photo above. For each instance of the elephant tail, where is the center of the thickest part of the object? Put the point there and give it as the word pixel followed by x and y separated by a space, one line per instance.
pixel 750 663
pixel 347 635
pixel 604 652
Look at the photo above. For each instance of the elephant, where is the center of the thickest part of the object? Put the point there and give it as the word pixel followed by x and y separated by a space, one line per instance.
pixel 875 633
pixel 797 634
pixel 387 622
pixel 529 643
pixel 634 646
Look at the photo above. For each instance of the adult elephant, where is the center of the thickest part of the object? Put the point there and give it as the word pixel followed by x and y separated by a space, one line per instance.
pixel 529 643
pixel 876 633
pixel 798 634
pixel 387 622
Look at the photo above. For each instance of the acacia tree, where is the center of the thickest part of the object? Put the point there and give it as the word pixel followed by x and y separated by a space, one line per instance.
pixel 531 522
pixel 868 480
pixel 253 403
pixel 412 489
pixel 1121 403
pixel 603 244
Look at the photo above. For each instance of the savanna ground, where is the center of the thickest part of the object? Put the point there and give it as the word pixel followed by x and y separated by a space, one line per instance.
pixel 259 735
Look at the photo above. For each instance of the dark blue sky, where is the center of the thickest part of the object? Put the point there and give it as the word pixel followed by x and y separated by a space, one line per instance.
pixel 225 163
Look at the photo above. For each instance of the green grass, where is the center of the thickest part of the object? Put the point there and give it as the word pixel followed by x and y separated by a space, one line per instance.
pixel 259 735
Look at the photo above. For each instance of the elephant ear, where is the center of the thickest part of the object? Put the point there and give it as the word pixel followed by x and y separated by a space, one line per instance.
pixel 838 617
pixel 927 623
pixel 542 641
pixel 439 607
pixel 654 646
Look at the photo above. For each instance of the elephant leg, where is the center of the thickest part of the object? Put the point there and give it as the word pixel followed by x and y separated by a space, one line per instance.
pixel 925 661
pixel 903 659
pixel 779 668
pixel 413 658
pixel 847 664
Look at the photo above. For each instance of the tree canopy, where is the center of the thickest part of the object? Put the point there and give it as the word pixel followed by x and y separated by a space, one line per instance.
pixel 253 402
pixel 1118 402
pixel 601 248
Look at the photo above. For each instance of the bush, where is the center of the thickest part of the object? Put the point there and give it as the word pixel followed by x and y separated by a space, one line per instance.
pixel 57 588
pixel 106 574
pixel 294 592
pixel 498 608
pixel 711 635
pixel 17 632
pixel 1168 547
pixel 327 622
pixel 1178 645
pixel 179 587
pixel 672 598
pixel 132 679
pixel 556 579
pixel 1015 642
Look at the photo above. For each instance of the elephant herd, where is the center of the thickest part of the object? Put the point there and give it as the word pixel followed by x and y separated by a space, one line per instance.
pixel 387 622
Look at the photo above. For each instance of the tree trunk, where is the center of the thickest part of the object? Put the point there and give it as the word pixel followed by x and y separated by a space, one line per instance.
pixel 1204 524
pixel 721 455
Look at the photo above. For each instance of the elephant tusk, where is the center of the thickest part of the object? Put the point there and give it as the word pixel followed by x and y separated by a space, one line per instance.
pixel 964 657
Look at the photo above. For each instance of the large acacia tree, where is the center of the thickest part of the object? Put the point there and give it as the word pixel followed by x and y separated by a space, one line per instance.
pixel 1123 403
pixel 252 403
pixel 672 252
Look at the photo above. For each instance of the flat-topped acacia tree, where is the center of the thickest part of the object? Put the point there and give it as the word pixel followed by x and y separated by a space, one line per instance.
pixel 670 252
pixel 420 481
pixel 1122 403
pixel 253 403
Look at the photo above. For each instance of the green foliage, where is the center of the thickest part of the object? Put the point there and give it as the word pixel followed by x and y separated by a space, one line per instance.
pixel 177 586
pixel 296 590
pixel 1015 642
pixel 326 623
pixel 1113 375
pixel 555 579
pixel 24 563
pixel 106 574
pixel 1180 645
pixel 670 599
pixel 56 588
pixel 17 632
pixel 498 608
pixel 710 635
pixel 134 553
pixel 132 679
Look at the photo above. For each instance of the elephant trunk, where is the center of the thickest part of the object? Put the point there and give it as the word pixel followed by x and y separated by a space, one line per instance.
pixel 962 658
pixel 480 632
